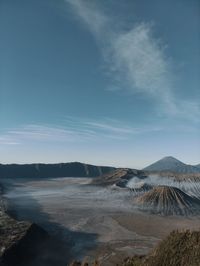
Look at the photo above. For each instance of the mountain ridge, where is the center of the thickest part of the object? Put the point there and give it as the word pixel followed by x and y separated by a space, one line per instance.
pixel 42 170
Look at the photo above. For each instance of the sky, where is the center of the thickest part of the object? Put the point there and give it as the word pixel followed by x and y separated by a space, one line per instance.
pixel 103 82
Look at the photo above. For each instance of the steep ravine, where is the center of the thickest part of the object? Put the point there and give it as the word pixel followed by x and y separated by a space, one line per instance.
pixel 24 243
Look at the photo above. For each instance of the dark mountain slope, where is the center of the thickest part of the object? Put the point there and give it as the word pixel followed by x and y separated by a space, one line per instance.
pixel 74 169
pixel 24 243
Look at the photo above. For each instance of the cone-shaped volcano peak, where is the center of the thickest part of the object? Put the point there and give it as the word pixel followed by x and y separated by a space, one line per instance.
pixel 168 201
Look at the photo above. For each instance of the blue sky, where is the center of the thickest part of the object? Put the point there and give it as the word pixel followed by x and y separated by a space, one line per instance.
pixel 104 82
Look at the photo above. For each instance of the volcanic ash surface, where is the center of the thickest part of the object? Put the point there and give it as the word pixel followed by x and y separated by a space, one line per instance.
pixel 168 200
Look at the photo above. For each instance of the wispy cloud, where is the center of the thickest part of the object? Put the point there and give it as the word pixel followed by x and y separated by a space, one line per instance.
pixel 109 126
pixel 84 130
pixel 73 130
pixel 140 58
pixel 7 140
pixel 45 133
pixel 136 59
pixel 88 12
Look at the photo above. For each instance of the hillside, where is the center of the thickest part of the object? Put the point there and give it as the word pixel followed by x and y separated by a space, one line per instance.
pixel 74 169
pixel 178 249
pixel 25 243
pixel 168 201
pixel 171 164
pixel 118 176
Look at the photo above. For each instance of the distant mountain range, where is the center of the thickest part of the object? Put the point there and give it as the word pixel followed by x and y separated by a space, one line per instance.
pixel 171 164
pixel 77 169
pixel 74 169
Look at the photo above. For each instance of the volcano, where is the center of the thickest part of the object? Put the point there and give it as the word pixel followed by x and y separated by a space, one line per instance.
pixel 170 163
pixel 167 200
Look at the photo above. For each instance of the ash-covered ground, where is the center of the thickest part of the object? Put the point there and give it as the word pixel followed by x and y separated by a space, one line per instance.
pixel 95 222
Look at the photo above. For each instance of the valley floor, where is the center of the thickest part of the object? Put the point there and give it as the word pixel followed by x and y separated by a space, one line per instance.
pixel 95 222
